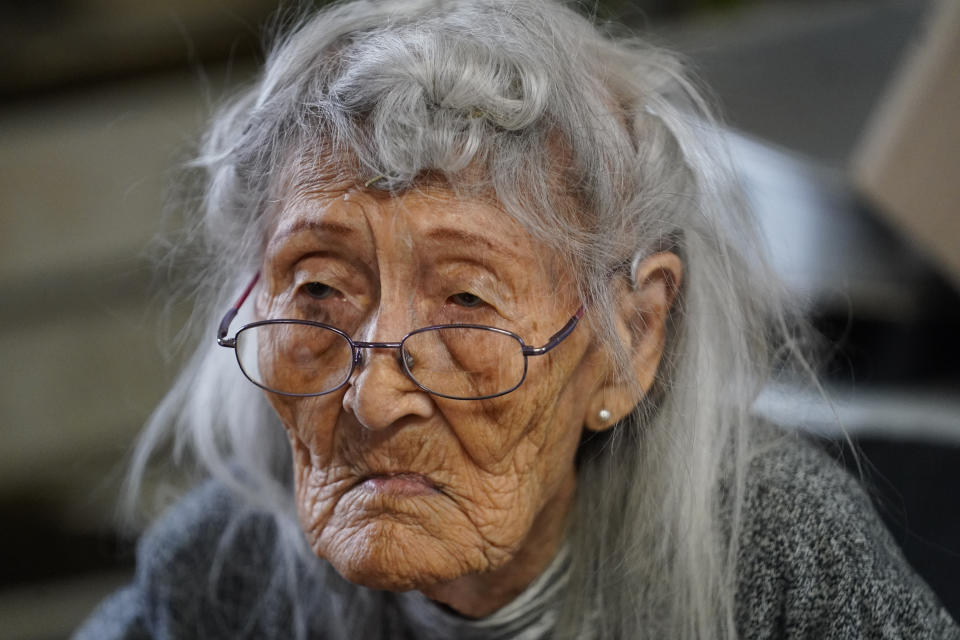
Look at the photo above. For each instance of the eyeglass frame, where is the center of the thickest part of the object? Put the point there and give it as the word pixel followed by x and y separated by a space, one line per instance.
pixel 356 347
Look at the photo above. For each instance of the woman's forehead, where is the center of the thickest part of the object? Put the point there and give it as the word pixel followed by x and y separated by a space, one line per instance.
pixel 426 215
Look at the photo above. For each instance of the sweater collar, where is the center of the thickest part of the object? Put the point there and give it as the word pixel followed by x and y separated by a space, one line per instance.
pixel 529 616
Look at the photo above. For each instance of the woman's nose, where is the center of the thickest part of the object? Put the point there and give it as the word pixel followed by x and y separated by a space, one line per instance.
pixel 380 394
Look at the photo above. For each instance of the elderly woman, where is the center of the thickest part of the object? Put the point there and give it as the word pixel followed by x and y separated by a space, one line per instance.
pixel 507 319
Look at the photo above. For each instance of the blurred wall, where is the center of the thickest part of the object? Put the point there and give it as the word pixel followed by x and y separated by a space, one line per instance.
pixel 104 99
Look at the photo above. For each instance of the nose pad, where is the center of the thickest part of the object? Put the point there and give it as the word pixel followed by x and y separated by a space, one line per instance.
pixel 406 360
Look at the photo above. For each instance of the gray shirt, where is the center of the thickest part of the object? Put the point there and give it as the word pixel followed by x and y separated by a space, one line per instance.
pixel 815 562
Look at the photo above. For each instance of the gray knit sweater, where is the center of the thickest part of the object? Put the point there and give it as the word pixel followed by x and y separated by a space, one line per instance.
pixel 815 563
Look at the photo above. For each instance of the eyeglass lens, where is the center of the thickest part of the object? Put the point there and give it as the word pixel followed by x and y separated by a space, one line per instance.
pixel 293 358
pixel 304 359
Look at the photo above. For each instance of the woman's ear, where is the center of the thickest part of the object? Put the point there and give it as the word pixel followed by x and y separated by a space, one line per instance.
pixel 642 307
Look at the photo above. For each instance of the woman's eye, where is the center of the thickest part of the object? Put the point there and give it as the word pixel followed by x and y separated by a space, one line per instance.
pixel 465 299
pixel 318 290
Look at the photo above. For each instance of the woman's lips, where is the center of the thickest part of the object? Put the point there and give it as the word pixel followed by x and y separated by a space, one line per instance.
pixel 399 484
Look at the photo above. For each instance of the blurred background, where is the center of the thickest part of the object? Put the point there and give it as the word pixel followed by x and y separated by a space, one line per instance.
pixel 845 119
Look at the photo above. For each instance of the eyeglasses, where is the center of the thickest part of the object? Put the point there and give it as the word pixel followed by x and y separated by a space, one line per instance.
pixel 456 361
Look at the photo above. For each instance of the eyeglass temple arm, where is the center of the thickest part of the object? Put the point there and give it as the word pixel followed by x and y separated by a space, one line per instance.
pixel 222 339
pixel 556 338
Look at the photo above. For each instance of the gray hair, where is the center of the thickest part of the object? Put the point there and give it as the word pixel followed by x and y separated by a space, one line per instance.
pixel 603 150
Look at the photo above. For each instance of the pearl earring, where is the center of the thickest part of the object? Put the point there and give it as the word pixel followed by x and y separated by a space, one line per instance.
pixel 604 415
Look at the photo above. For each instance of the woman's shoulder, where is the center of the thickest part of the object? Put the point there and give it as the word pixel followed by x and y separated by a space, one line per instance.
pixel 815 559
pixel 208 567
pixel 190 526
pixel 791 478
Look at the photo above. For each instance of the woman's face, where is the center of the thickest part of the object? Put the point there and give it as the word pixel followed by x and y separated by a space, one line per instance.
pixel 398 488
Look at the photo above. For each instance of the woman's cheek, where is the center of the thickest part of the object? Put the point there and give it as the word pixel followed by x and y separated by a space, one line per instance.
pixel 310 421
pixel 493 435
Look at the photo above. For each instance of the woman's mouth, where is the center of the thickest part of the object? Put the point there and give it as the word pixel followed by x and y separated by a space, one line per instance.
pixel 399 484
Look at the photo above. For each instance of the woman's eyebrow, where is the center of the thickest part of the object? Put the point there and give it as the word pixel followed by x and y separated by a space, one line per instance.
pixel 462 237
pixel 313 226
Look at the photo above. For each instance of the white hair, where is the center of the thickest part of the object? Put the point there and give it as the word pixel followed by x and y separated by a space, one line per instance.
pixel 604 151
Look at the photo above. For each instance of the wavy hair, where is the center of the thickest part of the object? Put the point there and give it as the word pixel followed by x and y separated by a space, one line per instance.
pixel 604 150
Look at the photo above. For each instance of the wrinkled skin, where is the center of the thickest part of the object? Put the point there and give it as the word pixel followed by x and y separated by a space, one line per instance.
pixel 487 485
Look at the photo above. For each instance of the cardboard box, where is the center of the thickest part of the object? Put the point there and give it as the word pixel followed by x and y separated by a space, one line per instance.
pixel 908 162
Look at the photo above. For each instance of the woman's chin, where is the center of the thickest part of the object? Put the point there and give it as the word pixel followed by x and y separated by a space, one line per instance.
pixel 398 556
